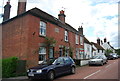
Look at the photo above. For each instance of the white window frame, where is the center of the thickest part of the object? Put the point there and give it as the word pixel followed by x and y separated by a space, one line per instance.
pixel 77 39
pixel 81 40
pixel 66 36
pixel 42 31
pixel 42 52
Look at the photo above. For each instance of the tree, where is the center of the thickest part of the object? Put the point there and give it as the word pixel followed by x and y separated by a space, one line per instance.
pixel 108 51
pixel 50 42
pixel 117 51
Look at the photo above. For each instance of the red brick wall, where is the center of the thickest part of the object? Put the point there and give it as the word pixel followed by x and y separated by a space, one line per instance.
pixel 21 38
pixel 14 38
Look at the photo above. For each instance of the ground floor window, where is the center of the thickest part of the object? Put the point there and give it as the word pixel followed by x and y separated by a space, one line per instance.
pixel 42 54
pixel 67 52
pixel 60 52
pixel 51 53
pixel 77 53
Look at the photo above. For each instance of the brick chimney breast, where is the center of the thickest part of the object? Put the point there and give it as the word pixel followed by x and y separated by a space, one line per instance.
pixel 80 30
pixel 105 40
pixel 6 15
pixel 98 41
pixel 21 6
pixel 62 16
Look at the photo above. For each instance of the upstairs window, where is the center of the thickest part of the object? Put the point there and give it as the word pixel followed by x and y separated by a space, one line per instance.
pixel 66 36
pixel 42 28
pixel 77 39
pixel 81 40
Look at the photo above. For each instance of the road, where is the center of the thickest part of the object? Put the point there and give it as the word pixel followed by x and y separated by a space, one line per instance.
pixel 107 72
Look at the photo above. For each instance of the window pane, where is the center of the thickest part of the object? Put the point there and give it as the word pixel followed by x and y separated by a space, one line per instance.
pixel 42 50
pixel 42 28
pixel 51 53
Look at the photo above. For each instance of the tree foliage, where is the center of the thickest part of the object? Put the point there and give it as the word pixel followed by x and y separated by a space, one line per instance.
pixel 50 41
pixel 108 51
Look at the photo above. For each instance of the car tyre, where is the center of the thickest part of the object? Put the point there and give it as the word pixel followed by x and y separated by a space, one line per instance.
pixel 73 70
pixel 50 75
pixel 102 63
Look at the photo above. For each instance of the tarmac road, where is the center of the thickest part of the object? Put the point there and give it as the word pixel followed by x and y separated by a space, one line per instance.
pixel 107 72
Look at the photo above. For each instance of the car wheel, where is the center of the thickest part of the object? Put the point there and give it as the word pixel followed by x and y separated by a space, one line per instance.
pixel 73 70
pixel 101 63
pixel 30 79
pixel 51 75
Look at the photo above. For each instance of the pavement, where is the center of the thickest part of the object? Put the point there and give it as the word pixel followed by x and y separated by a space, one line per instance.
pixel 20 77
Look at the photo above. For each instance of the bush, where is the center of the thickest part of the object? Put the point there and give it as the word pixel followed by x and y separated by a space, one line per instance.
pixel 9 67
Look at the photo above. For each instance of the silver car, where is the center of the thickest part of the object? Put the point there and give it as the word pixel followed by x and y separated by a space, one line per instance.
pixel 98 60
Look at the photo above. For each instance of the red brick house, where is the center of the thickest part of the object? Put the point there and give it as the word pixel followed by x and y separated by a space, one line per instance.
pixel 25 33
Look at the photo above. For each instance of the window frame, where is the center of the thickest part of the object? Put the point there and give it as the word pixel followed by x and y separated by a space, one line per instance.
pixel 66 35
pixel 81 40
pixel 43 54
pixel 76 39
pixel 42 31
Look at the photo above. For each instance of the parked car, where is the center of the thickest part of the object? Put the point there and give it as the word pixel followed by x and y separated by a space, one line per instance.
pixel 118 56
pixel 112 56
pixel 98 60
pixel 51 68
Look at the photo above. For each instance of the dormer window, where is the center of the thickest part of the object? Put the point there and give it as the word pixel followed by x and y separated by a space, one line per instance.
pixel 42 28
pixel 66 36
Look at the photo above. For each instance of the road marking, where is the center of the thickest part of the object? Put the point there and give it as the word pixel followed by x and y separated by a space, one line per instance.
pixel 92 74
pixel 108 66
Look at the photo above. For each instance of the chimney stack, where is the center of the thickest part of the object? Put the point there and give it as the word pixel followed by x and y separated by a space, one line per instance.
pixel 105 40
pixel 21 6
pixel 62 16
pixel 80 30
pixel 7 7
pixel 98 41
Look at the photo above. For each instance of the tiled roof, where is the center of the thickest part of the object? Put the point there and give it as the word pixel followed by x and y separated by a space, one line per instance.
pixel 97 46
pixel 47 17
pixel 87 41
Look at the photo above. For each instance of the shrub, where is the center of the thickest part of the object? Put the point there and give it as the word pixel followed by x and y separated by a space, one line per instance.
pixel 9 67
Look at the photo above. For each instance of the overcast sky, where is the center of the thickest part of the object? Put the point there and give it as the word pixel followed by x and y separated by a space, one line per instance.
pixel 99 17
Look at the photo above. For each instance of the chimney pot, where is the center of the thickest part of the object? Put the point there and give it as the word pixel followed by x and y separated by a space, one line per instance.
pixel 62 16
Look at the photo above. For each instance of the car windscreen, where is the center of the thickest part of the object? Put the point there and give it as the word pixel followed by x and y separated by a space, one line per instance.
pixel 48 62
pixel 97 57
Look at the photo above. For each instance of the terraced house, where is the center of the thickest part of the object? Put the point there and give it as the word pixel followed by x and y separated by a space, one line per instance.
pixel 35 35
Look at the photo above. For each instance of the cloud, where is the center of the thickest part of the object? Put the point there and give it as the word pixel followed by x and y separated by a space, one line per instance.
pixel 99 17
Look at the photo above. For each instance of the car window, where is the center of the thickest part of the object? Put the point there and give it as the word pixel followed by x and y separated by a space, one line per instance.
pixel 97 57
pixel 60 60
pixel 67 60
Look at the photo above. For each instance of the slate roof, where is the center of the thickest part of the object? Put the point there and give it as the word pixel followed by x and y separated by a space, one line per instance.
pixel 87 41
pixel 47 17
pixel 97 46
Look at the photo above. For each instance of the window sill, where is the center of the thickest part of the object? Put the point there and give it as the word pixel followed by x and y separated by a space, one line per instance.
pixel 42 36
pixel 66 41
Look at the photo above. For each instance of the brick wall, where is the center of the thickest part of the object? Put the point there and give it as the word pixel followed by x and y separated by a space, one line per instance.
pixel 21 38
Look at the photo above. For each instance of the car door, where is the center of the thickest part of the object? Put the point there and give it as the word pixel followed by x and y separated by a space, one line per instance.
pixel 104 59
pixel 67 65
pixel 59 66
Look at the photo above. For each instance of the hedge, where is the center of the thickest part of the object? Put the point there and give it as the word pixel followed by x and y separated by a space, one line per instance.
pixel 9 67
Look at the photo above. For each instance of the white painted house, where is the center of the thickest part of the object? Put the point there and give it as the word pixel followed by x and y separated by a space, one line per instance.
pixel 99 50
pixel 106 45
pixel 87 49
